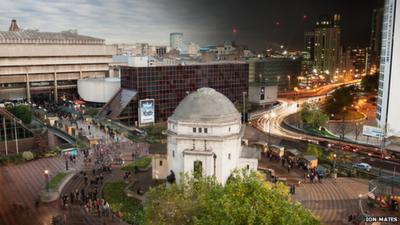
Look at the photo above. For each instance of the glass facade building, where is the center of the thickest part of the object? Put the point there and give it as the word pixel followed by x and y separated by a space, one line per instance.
pixel 282 72
pixel 168 85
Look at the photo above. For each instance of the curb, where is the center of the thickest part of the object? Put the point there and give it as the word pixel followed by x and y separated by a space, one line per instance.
pixel 53 194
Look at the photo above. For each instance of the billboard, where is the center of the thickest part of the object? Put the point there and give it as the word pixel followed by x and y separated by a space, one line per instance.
pixel 146 111
pixel 372 131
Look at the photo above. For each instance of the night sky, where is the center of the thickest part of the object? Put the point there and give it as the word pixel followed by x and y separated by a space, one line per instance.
pixel 202 21
pixel 267 23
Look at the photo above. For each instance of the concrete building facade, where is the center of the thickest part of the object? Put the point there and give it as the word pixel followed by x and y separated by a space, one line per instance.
pixel 42 65
pixel 388 110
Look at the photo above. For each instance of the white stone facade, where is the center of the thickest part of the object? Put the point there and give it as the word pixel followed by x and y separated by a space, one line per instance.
pixel 215 142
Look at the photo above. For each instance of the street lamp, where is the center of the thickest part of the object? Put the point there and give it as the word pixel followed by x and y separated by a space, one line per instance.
pixel 334 166
pixel 271 115
pixel 244 106
pixel 46 178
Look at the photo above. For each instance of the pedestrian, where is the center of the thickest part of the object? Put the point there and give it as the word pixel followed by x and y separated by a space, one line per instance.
pixel 71 197
pixel 288 168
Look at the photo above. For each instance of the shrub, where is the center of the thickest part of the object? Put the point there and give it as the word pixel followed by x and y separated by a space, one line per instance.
pixel 22 112
pixel 28 155
pixel 140 163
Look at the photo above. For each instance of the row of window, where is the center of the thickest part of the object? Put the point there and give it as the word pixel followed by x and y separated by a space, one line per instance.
pixel 200 130
pixel 173 156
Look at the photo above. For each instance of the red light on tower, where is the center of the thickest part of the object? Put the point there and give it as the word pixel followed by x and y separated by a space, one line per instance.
pixel 234 30
pixel 305 17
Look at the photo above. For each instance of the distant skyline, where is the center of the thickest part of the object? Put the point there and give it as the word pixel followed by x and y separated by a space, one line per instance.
pixel 259 24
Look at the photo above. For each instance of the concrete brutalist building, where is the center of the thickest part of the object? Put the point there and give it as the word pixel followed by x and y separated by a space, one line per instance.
pixel 45 66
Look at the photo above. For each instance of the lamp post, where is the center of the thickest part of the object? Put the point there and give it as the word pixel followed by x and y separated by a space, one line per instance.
pixel 46 178
pixel 244 106
pixel 289 86
pixel 334 166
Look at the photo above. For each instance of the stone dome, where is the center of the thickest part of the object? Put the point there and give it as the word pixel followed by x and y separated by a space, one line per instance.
pixel 206 105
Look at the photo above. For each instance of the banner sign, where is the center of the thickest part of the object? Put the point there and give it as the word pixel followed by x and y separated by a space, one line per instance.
pixel 146 111
pixel 372 131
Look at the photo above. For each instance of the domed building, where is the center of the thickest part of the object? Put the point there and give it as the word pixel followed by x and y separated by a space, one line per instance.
pixel 204 137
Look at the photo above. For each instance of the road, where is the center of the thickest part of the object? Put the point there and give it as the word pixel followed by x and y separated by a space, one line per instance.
pixel 271 123
pixel 323 90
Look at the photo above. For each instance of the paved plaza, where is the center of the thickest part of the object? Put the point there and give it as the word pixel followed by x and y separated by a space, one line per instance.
pixel 20 187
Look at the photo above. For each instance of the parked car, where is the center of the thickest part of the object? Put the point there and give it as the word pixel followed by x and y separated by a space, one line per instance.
pixel 362 166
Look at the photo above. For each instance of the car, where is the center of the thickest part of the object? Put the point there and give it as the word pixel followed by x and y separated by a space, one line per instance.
pixel 362 166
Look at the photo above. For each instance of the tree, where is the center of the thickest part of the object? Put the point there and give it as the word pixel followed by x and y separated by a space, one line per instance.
pixel 22 112
pixel 369 83
pixel 358 127
pixel 340 99
pixel 314 150
pixel 244 199
pixel 312 116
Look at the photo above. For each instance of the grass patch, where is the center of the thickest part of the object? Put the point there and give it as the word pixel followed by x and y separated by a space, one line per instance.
pixel 321 132
pixel 130 208
pixel 141 163
pixel 56 180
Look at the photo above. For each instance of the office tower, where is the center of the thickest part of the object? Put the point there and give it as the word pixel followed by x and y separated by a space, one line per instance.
pixel 176 41
pixel 309 44
pixel 376 36
pixel 388 110
pixel 327 51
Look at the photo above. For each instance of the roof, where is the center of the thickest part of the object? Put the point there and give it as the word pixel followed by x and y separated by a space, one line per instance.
pixel 310 157
pixel 294 152
pixel 206 105
pixel 250 152
pixel 158 149
pixel 36 37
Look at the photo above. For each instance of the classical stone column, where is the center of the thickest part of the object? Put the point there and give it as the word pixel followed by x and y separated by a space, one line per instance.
pixel 55 87
pixel 28 88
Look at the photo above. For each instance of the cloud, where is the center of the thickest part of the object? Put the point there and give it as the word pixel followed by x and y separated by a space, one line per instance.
pixel 126 21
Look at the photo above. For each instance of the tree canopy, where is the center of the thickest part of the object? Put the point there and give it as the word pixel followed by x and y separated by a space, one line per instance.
pixel 369 83
pixel 22 112
pixel 314 150
pixel 245 199
pixel 312 116
pixel 341 98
